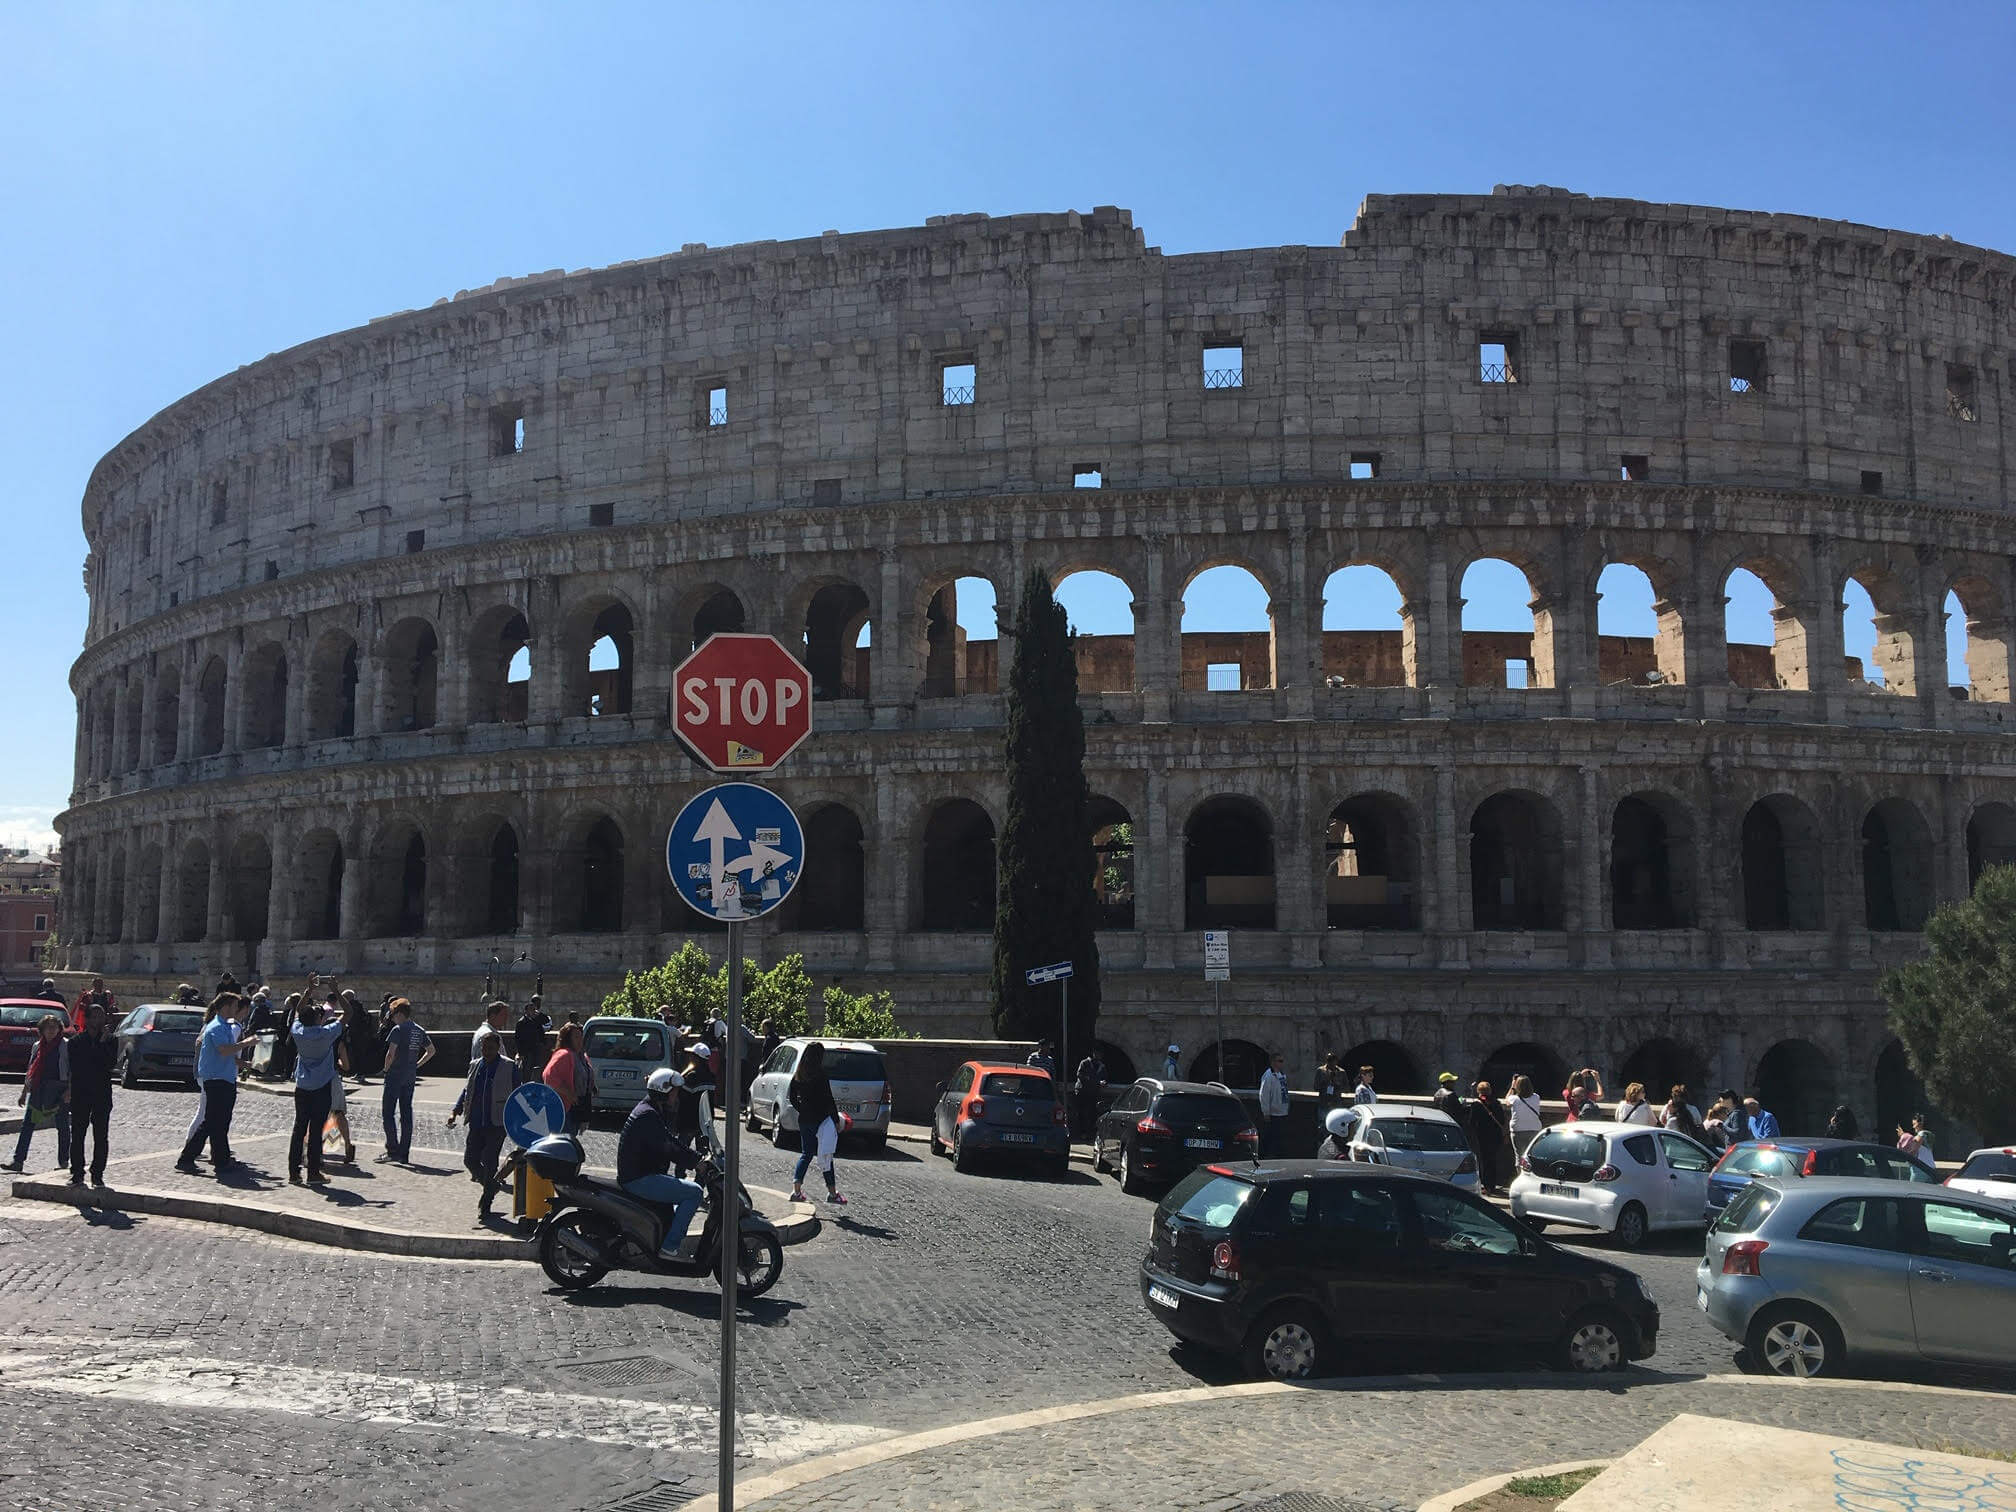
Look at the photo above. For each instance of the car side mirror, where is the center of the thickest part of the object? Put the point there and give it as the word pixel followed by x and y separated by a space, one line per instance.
pixel 941 1089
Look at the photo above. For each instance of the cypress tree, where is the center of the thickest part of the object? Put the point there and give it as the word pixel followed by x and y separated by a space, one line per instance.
pixel 1045 909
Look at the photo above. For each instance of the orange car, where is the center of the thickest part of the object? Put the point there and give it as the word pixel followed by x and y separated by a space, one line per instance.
pixel 989 1108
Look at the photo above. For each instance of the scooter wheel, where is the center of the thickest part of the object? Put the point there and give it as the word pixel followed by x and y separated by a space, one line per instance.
pixel 761 1263
pixel 564 1268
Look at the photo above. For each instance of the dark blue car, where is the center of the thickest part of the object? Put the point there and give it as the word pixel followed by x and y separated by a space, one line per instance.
pixel 1807 1157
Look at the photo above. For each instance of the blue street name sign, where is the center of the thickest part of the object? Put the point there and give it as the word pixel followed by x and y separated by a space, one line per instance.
pixel 533 1112
pixel 1036 976
pixel 735 851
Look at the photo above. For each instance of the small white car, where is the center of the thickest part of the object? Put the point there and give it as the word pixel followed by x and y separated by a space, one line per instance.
pixel 1625 1180
pixel 624 1051
pixel 1988 1173
pixel 1413 1139
pixel 855 1071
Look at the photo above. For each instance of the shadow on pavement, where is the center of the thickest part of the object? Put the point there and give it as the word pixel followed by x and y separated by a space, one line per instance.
pixel 110 1218
pixel 865 1230
pixel 870 1154
pixel 695 1302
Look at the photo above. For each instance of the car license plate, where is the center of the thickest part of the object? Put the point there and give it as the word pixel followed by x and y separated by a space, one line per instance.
pixel 1018 1138
pixel 619 1073
pixel 1547 1190
pixel 1701 1299
pixel 1163 1297
pixel 1203 1144
pixel 865 1110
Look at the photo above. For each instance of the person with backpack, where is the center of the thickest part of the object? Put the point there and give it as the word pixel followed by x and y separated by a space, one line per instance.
pixel 45 1092
pixel 818 1123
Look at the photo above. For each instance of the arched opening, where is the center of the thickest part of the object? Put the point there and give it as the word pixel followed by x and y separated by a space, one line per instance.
pixel 1120 1070
pixel 1782 875
pixel 597 878
pixel 1393 1069
pixel 1661 1064
pixel 500 667
pixel 1112 863
pixel 1099 607
pixel 265 698
pixel 1515 863
pixel 720 614
pixel 1899 1093
pixel 1244 1061
pixel 147 897
pixel 192 893
pixel 1765 635
pixel 250 887
pixel 134 702
pixel 1228 866
pixel 961 640
pixel 1501 628
pixel 411 668
pixel 956 889
pixel 1795 1082
pixel 1228 632
pixel 1651 864
pixel 1369 872
pixel 210 708
pixel 167 714
pixel 833 883
pixel 1977 641
pixel 320 877
pixel 607 662
pixel 1991 839
pixel 500 898
pixel 1859 638
pixel 834 622
pixel 1523 1058
pixel 1368 635
pixel 399 884
pixel 1639 636
pixel 1896 866
pixel 332 688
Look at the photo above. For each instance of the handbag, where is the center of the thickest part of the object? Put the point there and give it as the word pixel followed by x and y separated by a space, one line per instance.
pixel 41 1117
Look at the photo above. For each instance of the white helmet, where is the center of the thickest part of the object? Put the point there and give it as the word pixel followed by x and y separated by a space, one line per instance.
pixel 1339 1120
pixel 663 1080
pixel 1175 1049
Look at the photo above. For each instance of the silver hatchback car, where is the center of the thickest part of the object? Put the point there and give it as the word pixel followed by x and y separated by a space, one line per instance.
pixel 1808 1274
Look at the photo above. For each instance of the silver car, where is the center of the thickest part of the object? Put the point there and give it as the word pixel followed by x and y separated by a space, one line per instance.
pixel 1809 1274
pixel 1414 1139
pixel 856 1073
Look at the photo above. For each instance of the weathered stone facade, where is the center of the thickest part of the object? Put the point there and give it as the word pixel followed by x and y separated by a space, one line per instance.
pixel 300 742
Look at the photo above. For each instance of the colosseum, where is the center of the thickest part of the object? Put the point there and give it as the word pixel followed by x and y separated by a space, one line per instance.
pixel 382 627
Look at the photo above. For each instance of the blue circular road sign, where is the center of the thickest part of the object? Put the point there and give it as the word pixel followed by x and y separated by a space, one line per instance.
pixel 533 1112
pixel 735 851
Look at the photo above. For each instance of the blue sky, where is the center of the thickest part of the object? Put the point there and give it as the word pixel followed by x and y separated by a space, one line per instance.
pixel 187 188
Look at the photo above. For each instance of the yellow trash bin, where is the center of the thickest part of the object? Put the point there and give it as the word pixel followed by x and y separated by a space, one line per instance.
pixel 534 1195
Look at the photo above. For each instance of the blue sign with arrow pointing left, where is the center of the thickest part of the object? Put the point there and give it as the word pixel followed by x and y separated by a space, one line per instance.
pixel 735 851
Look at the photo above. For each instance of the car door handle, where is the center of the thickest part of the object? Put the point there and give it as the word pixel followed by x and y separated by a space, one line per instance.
pixel 1926 1273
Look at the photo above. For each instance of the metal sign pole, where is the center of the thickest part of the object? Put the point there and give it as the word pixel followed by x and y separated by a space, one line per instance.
pixel 1218 1006
pixel 1064 1053
pixel 731 1201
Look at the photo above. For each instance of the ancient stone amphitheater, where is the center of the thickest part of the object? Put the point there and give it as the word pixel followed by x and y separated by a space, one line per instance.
pixel 337 707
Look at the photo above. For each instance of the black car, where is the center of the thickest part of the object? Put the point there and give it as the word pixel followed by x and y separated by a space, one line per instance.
pixel 1159 1130
pixel 1282 1263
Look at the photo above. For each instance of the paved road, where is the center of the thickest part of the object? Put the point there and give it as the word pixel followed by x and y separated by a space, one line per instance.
pixel 932 1299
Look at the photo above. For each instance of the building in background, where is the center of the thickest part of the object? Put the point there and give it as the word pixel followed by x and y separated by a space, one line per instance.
pixel 30 887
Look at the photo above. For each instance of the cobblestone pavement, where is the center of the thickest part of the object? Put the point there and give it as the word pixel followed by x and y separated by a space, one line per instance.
pixel 932 1299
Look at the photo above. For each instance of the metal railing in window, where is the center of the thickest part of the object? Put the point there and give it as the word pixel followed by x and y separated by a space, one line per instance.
pixel 1224 378
pixel 959 395
pixel 1744 386
pixel 717 414
pixel 1496 372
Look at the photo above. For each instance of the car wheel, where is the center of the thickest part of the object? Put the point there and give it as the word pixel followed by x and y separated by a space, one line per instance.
pixel 1130 1178
pixel 752 1123
pixel 1796 1341
pixel 127 1078
pixel 782 1138
pixel 1286 1345
pixel 1098 1157
pixel 1631 1227
pixel 1592 1341
pixel 937 1145
pixel 961 1161
pixel 1535 1225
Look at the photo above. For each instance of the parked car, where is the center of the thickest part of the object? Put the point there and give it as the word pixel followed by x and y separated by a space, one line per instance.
pixel 1159 1131
pixel 624 1051
pixel 1796 1158
pixel 1283 1263
pixel 19 1021
pixel 1624 1180
pixel 986 1108
pixel 1808 1275
pixel 158 1040
pixel 1989 1173
pixel 860 1086
pixel 1414 1139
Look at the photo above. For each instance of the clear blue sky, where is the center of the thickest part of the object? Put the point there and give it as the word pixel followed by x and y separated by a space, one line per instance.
pixel 186 188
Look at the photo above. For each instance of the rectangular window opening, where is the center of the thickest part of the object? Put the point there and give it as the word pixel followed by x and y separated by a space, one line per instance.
pixel 1498 357
pixel 416 541
pixel 507 432
pixel 1364 466
pixel 41 922
pixel 1746 367
pixel 1515 672
pixel 272 571
pixel 1872 482
pixel 1088 475
pixel 342 464
pixel 601 514
pixel 826 491
pixel 1222 677
pixel 714 404
pixel 174 597
pixel 1960 394
pixel 1224 367
pixel 220 504
pixel 957 381
pixel 1632 468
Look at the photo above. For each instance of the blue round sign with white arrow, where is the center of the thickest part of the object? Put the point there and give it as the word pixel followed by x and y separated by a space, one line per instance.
pixel 533 1112
pixel 735 851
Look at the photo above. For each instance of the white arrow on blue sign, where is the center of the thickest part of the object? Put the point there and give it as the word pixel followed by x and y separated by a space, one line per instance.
pixel 533 1112
pixel 1036 976
pixel 735 851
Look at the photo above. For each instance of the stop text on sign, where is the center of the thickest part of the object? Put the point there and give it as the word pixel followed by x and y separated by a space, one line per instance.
pixel 742 703
pixel 724 699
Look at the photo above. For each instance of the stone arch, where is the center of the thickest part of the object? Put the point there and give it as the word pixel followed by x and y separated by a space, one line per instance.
pixel 1789 664
pixel 1641 636
pixel 1394 1068
pixel 1516 862
pixel 1991 839
pixel 1795 1080
pixel 951 659
pixel 1783 878
pixel 1244 1061
pixel 1495 653
pixel 1523 1058
pixel 318 869
pixel 1109 658
pixel 502 895
pixel 1112 830
pixel 1899 1092
pixel 398 881
pixel 836 615
pixel 332 687
pixel 1371 629
pixel 248 886
pixel 1897 876
pixel 410 668
pixel 598 656
pixel 1371 864
pixel 957 881
pixel 115 891
pixel 833 886
pixel 147 897
pixel 167 713
pixel 263 698
pixel 192 893
pixel 500 666
pixel 1216 654
pixel 589 875
pixel 210 689
pixel 713 610
pixel 1984 625
pixel 1120 1070
pixel 1652 863
pixel 1893 603
pixel 1662 1063
pixel 1228 864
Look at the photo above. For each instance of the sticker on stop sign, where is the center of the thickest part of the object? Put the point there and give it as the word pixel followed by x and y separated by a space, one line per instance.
pixel 742 703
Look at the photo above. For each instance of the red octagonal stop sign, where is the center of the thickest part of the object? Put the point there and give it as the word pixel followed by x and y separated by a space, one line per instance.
pixel 742 703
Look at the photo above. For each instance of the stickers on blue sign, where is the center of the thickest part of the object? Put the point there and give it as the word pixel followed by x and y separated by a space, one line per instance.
pixel 735 851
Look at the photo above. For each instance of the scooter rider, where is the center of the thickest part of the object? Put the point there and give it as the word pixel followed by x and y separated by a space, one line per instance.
pixel 648 1148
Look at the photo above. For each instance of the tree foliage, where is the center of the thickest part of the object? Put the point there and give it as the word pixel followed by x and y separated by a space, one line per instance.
pixel 1045 906
pixel 696 989
pixel 1955 1010
pixel 860 1015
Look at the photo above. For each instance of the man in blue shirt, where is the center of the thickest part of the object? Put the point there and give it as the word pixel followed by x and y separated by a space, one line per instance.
pixel 645 1151
pixel 407 1049
pixel 1762 1124
pixel 314 1084
pixel 492 1079
pixel 218 1052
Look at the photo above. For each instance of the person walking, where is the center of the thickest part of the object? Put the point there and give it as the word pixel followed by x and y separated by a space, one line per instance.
pixel 219 1051
pixel 1914 1140
pixel 92 1057
pixel 1762 1121
pixel 45 1092
pixel 1274 1105
pixel 1522 1112
pixel 407 1049
pixel 1632 1108
pixel 818 1123
pixel 493 1077
pixel 1841 1123
pixel 1172 1067
pixel 1086 1086
pixel 315 1034
pixel 1362 1095
pixel 1044 1058
pixel 1489 1137
pixel 530 1035
pixel 569 1074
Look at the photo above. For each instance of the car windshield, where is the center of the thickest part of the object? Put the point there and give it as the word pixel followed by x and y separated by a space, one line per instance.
pixel 853 1065
pixel 1419 1134
pixel 1016 1084
pixel 618 1042
pixel 1989 1165
pixel 1200 1108
pixel 1576 1147
pixel 1754 1160
pixel 177 1021
pixel 1216 1202
pixel 1747 1212
pixel 17 1013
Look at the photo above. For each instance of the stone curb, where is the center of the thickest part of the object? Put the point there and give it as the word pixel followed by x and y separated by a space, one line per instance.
pixel 1449 1501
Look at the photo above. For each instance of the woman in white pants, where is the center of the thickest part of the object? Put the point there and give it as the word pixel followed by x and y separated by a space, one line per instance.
pixel 818 1123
